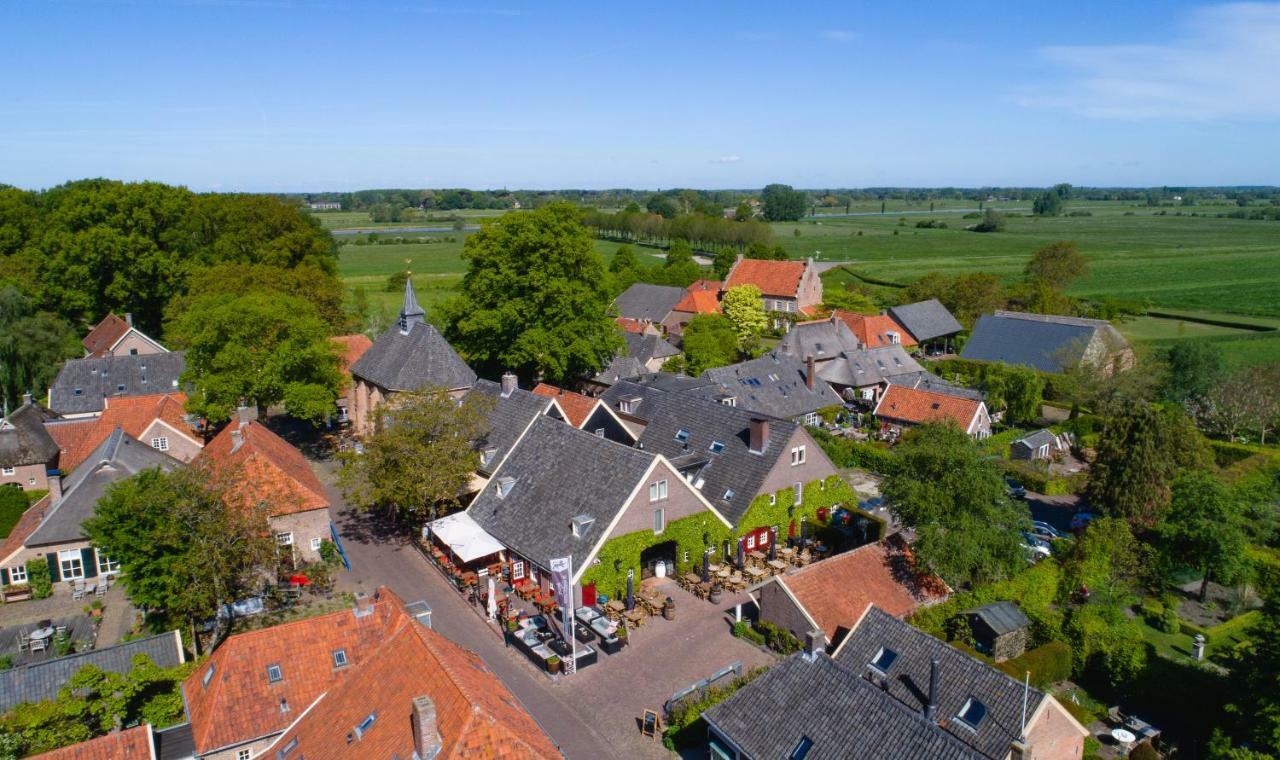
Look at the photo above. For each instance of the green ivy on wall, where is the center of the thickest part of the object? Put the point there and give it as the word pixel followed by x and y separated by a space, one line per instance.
pixel 695 533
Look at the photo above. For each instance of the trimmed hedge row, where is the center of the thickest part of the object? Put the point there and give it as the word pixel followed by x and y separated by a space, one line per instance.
pixel 1218 634
pixel 846 452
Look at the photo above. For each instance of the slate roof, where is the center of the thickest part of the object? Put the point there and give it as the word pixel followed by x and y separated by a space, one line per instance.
pixel 132 414
pixel 558 473
pixel 1044 342
pixel 175 742
pixel 575 406
pixel 773 384
pixel 647 385
pixel 1037 439
pixel 869 366
pixel 97 378
pixel 960 677
pixel 774 278
pixel 476 715
pixel 407 362
pixel 620 367
pixel 23 439
pixel 927 381
pixel 39 681
pixel 823 339
pixel 917 407
pixel 508 418
pixel 119 456
pixel 734 467
pixel 649 303
pixel 926 320
pixel 644 348
pixel 1001 617
pixel 843 715
pixel 265 468
pixel 129 744
pixel 873 329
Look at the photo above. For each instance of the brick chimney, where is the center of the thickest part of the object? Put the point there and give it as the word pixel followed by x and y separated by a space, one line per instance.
pixel 246 414
pixel 426 733
pixel 55 488
pixel 809 371
pixel 814 642
pixel 364 604
pixel 759 434
pixel 26 399
pixel 128 318
pixel 509 384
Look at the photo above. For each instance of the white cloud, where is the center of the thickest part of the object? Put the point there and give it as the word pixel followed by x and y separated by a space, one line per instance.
pixel 840 35
pixel 1223 67
pixel 726 160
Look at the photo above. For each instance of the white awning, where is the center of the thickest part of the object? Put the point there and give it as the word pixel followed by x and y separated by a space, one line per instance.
pixel 465 537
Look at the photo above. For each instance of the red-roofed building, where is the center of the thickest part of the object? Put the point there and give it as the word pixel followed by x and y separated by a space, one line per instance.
pixel 831 594
pixel 273 472
pixel 159 421
pixel 702 297
pixel 114 336
pixel 352 347
pixel 131 744
pixel 791 287
pixel 902 407
pixel 367 682
pixel 876 330
pixel 587 413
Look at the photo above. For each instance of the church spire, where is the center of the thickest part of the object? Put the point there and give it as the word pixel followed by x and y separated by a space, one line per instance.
pixel 410 312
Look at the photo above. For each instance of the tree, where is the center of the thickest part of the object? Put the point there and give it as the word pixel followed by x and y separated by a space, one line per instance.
pixel 743 212
pixel 420 456
pixel 1194 369
pixel 187 541
pixel 992 221
pixel 709 341
pixel 1107 560
pixel 967 528
pixel 264 349
pixel 1255 703
pixel 534 298
pixel 680 252
pixel 321 289
pixel 663 205
pixel 624 259
pixel 1262 405
pixel 1017 390
pixel 743 306
pixel 33 345
pixel 1204 528
pixel 723 262
pixel 1047 203
pixel 783 203
pixel 1057 265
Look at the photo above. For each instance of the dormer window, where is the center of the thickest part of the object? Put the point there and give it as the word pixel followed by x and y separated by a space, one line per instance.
pixel 972 713
pixel 274 674
pixel 682 435
pixel 505 484
pixel 581 524
pixel 487 454
pixel 883 660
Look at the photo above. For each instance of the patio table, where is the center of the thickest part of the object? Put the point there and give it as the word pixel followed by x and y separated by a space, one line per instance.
pixel 42 633
pixel 758 556
pixel 777 565
pixel 614 609
pixel 691 579
pixel 755 572
pixel 723 573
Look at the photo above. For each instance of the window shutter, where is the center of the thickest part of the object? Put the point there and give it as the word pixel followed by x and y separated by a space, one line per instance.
pixel 90 560
pixel 54 575
pixel 4 576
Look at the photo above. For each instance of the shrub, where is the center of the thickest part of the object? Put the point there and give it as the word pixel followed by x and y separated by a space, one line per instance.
pixel 6 662
pixel 38 579
pixel 1048 664
pixel 329 553
pixel 685 727
pixel 846 452
pixel 743 630
pixel 1144 751
pixel 1169 621
pixel 13 502
pixel 779 639
pixel 396 282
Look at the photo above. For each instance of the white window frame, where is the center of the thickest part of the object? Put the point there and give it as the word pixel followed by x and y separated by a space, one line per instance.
pixel 316 543
pixel 751 542
pixel 70 558
pixel 18 574
pixel 106 565
pixel 517 570
pixel 242 754
pixel 799 493
pixel 7 471
pixel 160 443
pixel 811 419
pixel 658 491
pixel 284 539
pixel 659 521
pixel 797 456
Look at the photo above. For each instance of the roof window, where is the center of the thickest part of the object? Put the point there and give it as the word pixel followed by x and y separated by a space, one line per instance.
pixel 972 713
pixel 505 484
pixel 716 447
pixel 208 676
pixel 936 405
pixel 682 435
pixel 884 659
pixel 366 724
pixel 728 494
pixel 286 749
pixel 79 391
pixel 339 658
pixel 581 524
pixel 802 748
pixel 274 674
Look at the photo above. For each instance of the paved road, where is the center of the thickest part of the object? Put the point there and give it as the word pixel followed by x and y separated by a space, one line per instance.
pixel 379 558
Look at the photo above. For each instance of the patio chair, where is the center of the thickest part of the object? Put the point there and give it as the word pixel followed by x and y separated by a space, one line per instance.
pixel 60 630
pixel 38 645
pixel 101 590
pixel 77 589
pixel 24 641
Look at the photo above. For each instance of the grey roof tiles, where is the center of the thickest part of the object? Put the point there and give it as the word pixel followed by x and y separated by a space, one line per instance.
pixel 41 680
pixel 645 348
pixel 647 302
pixel 926 320
pixel 508 418
pixel 413 359
pixel 773 384
pixel 82 384
pixel 1002 617
pixel 822 339
pixel 865 367
pixel 1044 342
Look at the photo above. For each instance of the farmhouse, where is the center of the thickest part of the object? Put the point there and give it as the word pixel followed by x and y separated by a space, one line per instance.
pixel 902 407
pixel 928 322
pixel 789 287
pixel 648 304
pixel 114 336
pixel 27 452
pixel 83 385
pixel 876 330
pixel 1048 343
pixel 158 420
pixel 702 297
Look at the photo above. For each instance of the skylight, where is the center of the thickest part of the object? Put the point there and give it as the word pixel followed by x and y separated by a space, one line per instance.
pixel 802 748
pixel 884 659
pixel 208 676
pixel 339 657
pixel 728 494
pixel 716 447
pixel 972 713
pixel 682 435
pixel 274 674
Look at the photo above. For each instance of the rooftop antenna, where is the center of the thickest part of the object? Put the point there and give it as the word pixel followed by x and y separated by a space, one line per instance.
pixel 1026 690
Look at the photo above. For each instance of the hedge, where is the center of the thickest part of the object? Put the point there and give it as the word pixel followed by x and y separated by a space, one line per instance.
pixel 1000 442
pixel 13 502
pixel 1043 482
pixel 1226 454
pixel 685 727
pixel 695 534
pixel 1048 664
pixel 1220 633
pixel 1034 590
pixel 846 452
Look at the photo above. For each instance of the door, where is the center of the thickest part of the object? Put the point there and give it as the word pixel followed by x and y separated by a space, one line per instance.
pixel 664 552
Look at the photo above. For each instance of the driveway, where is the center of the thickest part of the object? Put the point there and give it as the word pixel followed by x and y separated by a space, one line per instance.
pixel 1055 510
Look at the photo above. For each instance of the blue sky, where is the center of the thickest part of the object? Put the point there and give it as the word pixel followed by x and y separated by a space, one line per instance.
pixel 269 95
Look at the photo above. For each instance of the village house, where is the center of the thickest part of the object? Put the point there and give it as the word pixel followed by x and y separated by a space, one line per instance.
pixel 619 368
pixel 586 413
pixel 1048 343
pixel 650 350
pixel 137 743
pixel 914 695
pixel 648 304
pixel 822 339
pixel 830 594
pixel 701 297
pixel 158 420
pixel 350 348
pixel 876 330
pixel 410 356
pixel 902 407
pixel 83 386
pixel 636 326
pixel 864 374
pixel 787 287
pixel 511 410
pixel 1040 445
pixel 776 384
pixel 928 323
pixel 27 452
pixel 114 336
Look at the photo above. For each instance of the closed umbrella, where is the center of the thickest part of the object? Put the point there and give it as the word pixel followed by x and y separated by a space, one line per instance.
pixel 493 599
pixel 631 590
pixel 741 561
pixel 773 544
pixel 706 567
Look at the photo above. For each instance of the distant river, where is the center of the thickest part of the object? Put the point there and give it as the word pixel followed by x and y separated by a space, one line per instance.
pixel 401 230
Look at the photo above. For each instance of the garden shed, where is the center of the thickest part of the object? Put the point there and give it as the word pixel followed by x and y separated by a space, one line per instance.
pixel 999 630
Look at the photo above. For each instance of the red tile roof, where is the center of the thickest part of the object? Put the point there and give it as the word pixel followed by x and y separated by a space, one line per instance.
pixel 133 414
pixel 105 335
pixel 774 278
pixel 475 714
pixel 836 591
pixel 353 347
pixel 27 525
pixel 269 469
pixel 916 407
pixel 130 744
pixel 631 325
pixel 702 297
pixel 872 330
pixel 576 406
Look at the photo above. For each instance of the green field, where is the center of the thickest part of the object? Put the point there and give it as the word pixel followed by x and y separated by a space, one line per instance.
pixel 348 220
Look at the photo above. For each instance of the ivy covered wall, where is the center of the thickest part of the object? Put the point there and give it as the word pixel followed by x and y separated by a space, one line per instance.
pixel 695 533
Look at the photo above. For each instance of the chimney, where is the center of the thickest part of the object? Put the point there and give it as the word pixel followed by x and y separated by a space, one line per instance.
pixel 1018 750
pixel 426 735
pixel 814 642
pixel 237 439
pixel 364 604
pixel 26 399
pixel 932 707
pixel 759 435
pixel 55 489
pixel 128 318
pixel 246 414
pixel 509 384
pixel 809 371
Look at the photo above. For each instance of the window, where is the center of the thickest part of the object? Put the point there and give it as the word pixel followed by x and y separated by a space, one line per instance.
pixel 972 713
pixel 366 724
pixel 71 563
pixel 884 659
pixel 284 539
pixel 773 499
pixel 659 520
pixel 161 443
pixel 7 470
pixel 517 570
pixel 799 493
pixel 811 419
pixel 208 676
pixel 751 542
pixel 764 539
pixel 802 748
pixel 18 574
pixel 599 432
pixel 658 490
pixel 797 456
pixel 293 743
pixel 274 674
pixel 316 543
pixel 682 435
pixel 339 657
pixel 106 565
pixel 728 494
pixel 716 447
pixel 242 755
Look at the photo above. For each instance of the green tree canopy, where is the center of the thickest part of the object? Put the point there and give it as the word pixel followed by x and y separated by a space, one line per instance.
pixel 1056 265
pixel 1048 203
pixel 743 307
pixel 535 298
pixel 663 205
pixel 33 345
pixel 967 528
pixel 1204 529
pixel 709 341
pixel 967 296
pixel 261 348
pixel 724 261
pixel 321 289
pixel 1107 560
pixel 420 456
pixel 1194 369
pixel 783 203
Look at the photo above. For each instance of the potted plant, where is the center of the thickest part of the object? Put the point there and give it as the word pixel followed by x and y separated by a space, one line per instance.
pixel 621 633
pixel 95 608
pixel 553 664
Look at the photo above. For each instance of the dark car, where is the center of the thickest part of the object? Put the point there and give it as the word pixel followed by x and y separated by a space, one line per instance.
pixel 1081 520
pixel 1015 488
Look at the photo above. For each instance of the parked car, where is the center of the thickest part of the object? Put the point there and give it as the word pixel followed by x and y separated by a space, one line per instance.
pixel 1081 520
pixel 1036 548
pixel 1015 488
pixel 1042 529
